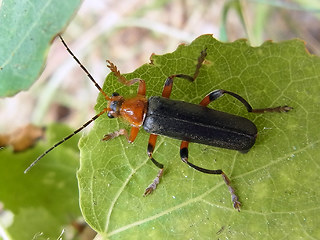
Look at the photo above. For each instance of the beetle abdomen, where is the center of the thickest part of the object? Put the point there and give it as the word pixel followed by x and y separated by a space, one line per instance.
pixel 196 123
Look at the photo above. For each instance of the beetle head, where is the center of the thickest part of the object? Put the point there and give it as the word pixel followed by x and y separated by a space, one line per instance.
pixel 114 105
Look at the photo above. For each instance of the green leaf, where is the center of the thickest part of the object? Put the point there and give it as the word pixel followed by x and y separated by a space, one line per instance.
pixel 45 200
pixel 27 29
pixel 277 181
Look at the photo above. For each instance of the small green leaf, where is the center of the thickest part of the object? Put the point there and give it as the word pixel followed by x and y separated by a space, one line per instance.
pixel 27 28
pixel 277 181
pixel 45 199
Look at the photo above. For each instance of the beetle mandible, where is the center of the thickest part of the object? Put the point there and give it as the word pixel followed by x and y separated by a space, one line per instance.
pixel 176 119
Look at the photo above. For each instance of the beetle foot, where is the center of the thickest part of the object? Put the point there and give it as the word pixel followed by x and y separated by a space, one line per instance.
pixel 285 108
pixel 115 134
pixel 154 184
pixel 236 203
pixel 149 189
pixel 279 109
pixel 234 197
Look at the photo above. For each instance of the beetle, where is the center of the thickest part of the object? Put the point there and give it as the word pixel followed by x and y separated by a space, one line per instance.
pixel 176 119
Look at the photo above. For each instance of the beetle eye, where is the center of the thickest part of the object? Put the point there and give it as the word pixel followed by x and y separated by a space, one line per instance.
pixel 115 94
pixel 110 115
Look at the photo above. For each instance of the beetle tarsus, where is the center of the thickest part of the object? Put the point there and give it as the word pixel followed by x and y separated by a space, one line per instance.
pixel 234 197
pixel 154 184
pixel 285 108
pixel 279 109
pixel 115 134
pixel 236 203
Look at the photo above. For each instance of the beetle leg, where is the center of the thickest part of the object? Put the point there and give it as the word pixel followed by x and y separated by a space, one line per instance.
pixel 169 81
pixel 123 80
pixel 153 185
pixel 220 92
pixel 133 134
pixel 201 58
pixel 184 157
pixel 115 134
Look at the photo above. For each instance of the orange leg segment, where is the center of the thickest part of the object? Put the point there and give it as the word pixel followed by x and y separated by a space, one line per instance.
pixel 133 134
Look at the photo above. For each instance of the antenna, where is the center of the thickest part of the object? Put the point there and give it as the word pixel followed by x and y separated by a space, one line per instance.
pixel 84 69
pixel 84 125
pixel 66 138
